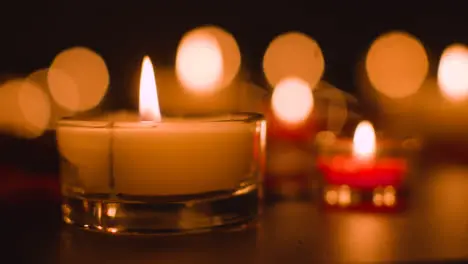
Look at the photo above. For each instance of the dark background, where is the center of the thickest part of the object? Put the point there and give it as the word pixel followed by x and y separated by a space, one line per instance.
pixel 33 32
pixel 123 31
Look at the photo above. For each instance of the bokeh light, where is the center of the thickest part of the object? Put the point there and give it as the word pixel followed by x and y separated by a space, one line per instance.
pixel 344 195
pixel 389 197
pixel 39 77
pixel 452 75
pixel 78 79
pixel 208 59
pixel 64 90
pixel 293 54
pixel 34 105
pixel 331 196
pixel 397 64
pixel 292 101
pixel 24 108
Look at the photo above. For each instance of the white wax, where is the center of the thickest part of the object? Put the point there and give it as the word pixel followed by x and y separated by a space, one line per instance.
pixel 169 158
pixel 87 151
pixel 182 158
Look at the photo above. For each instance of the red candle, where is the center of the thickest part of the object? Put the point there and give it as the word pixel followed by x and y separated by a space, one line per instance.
pixel 278 129
pixel 367 174
pixel 362 169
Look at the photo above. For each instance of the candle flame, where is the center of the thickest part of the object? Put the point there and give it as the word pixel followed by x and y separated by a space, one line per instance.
pixel 149 103
pixel 292 101
pixel 364 140
pixel 452 77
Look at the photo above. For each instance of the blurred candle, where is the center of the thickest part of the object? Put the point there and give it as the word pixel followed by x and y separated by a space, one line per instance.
pixel 452 78
pixel 393 74
pixel 441 116
pixel 450 112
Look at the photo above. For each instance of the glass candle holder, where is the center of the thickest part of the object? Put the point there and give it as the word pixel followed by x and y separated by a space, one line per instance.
pixel 174 176
pixel 380 183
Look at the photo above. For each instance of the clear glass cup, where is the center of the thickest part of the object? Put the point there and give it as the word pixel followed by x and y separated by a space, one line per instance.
pixel 181 175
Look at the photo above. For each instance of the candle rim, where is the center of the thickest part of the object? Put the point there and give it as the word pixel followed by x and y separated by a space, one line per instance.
pixel 106 121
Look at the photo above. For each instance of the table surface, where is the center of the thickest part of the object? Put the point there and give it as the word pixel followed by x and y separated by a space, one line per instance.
pixel 433 227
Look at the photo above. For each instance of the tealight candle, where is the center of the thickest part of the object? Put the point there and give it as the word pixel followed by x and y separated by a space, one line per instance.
pixel 147 173
pixel 351 169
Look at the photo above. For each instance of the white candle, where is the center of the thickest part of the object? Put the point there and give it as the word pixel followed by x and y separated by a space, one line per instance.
pixel 153 157
pixel 86 147
pixel 174 158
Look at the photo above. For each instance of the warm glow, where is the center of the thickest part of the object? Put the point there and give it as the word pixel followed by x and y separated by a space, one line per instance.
pixel 78 79
pixel 112 210
pixel 24 108
pixel 325 137
pixel 397 64
pixel 293 54
pixel 199 63
pixel 364 140
pixel 35 106
pixel 344 195
pixel 452 74
pixel 263 135
pixel 112 230
pixel 292 101
pixel 57 112
pixel 377 199
pixel 331 196
pixel 208 59
pixel 149 103
pixel 389 197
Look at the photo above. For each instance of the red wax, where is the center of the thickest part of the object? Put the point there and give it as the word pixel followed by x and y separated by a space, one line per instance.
pixel 363 174
pixel 297 132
